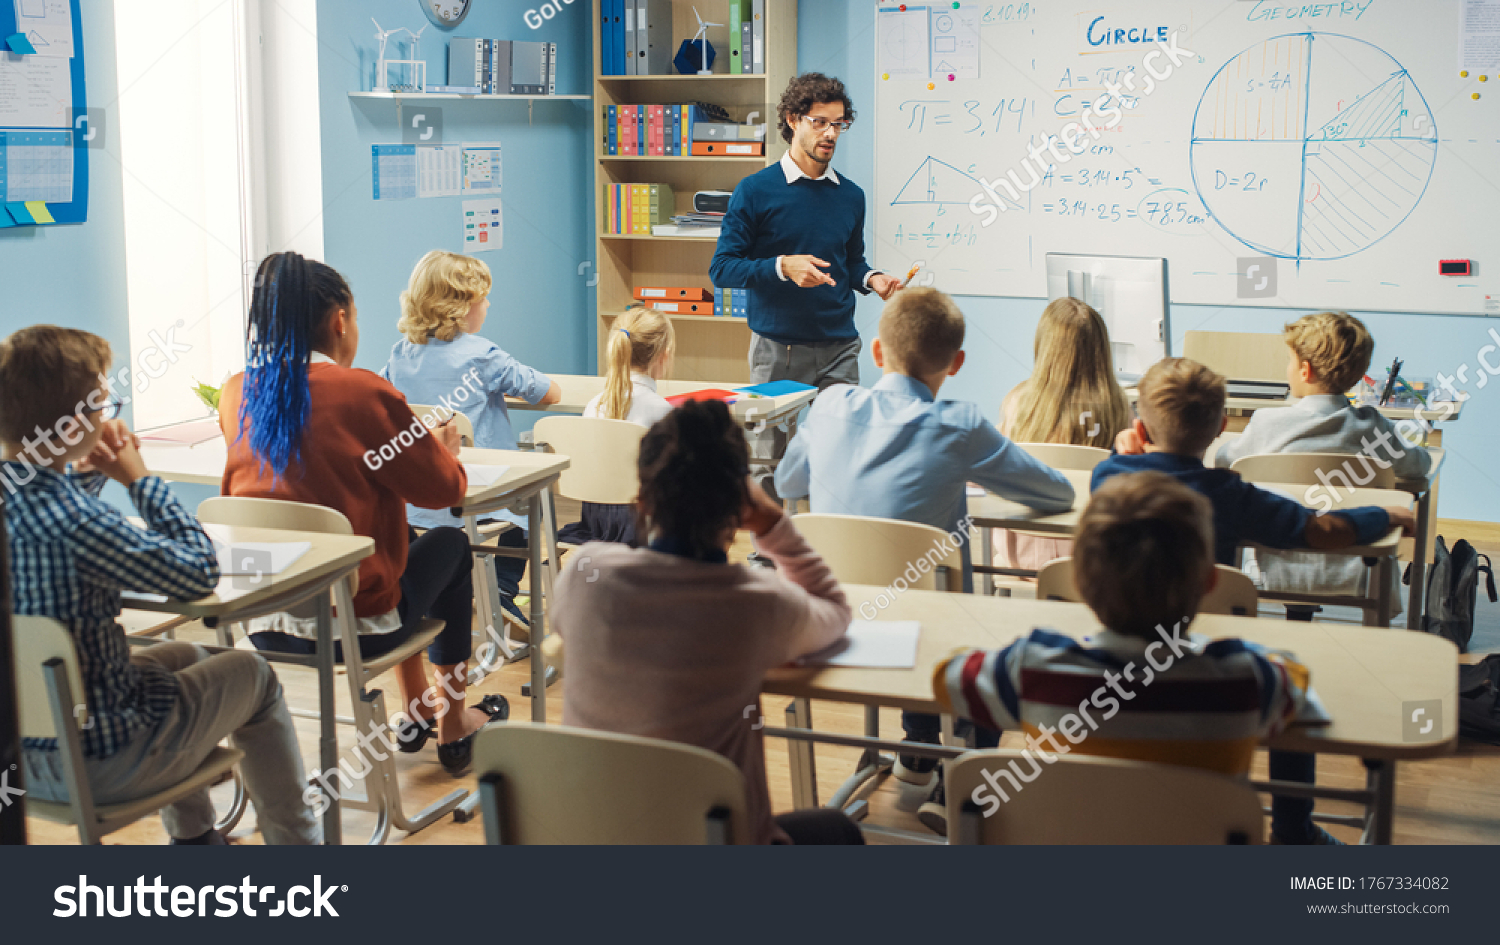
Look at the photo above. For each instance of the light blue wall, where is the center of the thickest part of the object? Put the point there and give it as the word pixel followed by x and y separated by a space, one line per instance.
pixel 542 310
pixel 839 39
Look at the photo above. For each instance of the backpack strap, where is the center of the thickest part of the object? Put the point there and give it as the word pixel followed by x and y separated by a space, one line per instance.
pixel 1489 578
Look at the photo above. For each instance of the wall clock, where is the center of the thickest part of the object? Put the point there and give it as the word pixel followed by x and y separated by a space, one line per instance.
pixel 446 13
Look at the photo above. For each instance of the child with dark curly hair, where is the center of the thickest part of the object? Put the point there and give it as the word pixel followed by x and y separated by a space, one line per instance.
pixel 672 641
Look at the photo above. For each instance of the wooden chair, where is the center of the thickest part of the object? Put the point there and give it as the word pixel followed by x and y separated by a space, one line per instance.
pixel 1066 455
pixel 1234 595
pixel 51 702
pixel 382 789
pixel 440 414
pixel 603 455
pixel 877 551
pixel 552 784
pixel 1303 469
pixel 1080 799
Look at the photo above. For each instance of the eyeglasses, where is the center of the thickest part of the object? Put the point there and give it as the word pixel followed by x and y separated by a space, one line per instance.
pixel 820 125
pixel 109 411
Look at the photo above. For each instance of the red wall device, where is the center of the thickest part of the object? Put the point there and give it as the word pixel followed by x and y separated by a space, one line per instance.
pixel 1455 267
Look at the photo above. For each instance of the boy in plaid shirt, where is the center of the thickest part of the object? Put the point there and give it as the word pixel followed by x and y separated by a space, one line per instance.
pixel 159 712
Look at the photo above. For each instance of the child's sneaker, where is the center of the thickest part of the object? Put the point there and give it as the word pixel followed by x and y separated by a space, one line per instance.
pixel 934 813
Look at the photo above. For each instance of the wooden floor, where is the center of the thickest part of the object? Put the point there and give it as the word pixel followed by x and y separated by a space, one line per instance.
pixel 1449 800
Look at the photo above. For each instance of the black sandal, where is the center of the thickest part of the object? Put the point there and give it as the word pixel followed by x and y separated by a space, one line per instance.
pixel 413 733
pixel 455 757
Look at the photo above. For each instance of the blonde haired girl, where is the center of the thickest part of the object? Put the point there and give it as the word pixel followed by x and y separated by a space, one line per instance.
pixel 1072 397
pixel 638 352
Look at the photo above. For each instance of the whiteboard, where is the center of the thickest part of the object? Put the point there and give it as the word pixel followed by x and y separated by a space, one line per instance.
pixel 1335 142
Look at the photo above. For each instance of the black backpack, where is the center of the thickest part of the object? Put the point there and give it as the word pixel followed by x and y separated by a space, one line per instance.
pixel 1452 589
pixel 1478 709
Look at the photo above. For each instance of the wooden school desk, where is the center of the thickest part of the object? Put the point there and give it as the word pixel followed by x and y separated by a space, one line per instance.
pixel 991 511
pixel 1364 679
pixel 754 414
pixel 1423 542
pixel 331 558
pixel 526 485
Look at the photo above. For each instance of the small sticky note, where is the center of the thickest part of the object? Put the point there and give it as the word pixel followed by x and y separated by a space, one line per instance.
pixel 39 211
pixel 19 213
pixel 20 45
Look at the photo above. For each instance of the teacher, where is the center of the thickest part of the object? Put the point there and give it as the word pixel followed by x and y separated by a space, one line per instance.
pixel 794 237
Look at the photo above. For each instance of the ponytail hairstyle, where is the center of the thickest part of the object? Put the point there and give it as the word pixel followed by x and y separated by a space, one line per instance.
pixel 638 338
pixel 693 466
pixel 288 317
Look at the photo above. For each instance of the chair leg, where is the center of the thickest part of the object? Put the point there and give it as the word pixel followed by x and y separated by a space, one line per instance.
pixel 800 757
pixel 236 810
pixel 383 780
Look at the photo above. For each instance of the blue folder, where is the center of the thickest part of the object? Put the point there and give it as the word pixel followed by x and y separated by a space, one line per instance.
pixel 776 388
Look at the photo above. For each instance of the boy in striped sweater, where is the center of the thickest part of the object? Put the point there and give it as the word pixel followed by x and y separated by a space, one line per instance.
pixel 1139 689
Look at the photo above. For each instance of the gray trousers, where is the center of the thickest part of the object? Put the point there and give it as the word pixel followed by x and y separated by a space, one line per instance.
pixel 233 694
pixel 822 366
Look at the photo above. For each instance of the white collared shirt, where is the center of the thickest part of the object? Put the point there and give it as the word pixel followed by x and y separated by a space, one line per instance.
pixel 646 405
pixel 793 174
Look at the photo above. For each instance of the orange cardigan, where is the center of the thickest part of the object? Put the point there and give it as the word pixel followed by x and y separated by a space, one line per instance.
pixel 354 414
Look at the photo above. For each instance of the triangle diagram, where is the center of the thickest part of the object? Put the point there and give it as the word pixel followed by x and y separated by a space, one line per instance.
pixel 36 39
pixel 938 182
pixel 945 66
pixel 1387 111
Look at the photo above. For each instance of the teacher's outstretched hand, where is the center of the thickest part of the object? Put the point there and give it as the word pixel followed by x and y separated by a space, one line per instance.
pixel 806 271
pixel 884 286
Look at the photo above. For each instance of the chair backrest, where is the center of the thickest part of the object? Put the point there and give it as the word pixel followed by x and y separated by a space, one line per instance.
pixel 1238 355
pixel 1303 469
pixel 1233 595
pixel 438 415
pixel 1079 799
pixel 37 640
pixel 273 513
pixel 551 784
pixel 602 457
pixel 1065 455
pixel 876 551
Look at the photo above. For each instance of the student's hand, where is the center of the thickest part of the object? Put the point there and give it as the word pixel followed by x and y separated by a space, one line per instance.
pixel 117 454
pixel 447 434
pixel 760 513
pixel 806 271
pixel 884 286
pixel 1129 443
pixel 1404 519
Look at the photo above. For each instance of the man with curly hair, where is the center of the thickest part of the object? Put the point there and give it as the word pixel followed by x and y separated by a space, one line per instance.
pixel 794 237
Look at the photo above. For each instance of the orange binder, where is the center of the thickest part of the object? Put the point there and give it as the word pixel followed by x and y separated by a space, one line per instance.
pixel 646 293
pixel 729 148
pixel 683 308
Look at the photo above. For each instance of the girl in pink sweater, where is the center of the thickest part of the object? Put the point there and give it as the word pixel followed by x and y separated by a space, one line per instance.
pixel 672 641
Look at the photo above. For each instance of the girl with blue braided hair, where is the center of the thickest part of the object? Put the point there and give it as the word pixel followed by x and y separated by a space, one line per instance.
pixel 302 424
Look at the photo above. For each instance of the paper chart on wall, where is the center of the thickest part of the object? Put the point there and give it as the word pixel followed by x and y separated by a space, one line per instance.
pixel 35 92
pixel 1479 36
pixel 440 171
pixel 481 167
pixel 48 25
pixel 394 171
pixel 483 225
pixel 955 43
pixel 36 166
pixel 904 46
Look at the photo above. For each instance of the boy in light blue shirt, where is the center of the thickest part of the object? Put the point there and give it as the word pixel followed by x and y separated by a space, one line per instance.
pixel 896 451
pixel 444 362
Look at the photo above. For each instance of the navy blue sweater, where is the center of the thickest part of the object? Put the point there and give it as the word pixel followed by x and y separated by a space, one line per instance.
pixel 768 218
pixel 1243 513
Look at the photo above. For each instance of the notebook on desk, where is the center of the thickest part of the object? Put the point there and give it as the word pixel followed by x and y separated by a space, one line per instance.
pixel 1260 390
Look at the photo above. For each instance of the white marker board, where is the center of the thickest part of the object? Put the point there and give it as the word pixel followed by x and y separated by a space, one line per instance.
pixel 1337 138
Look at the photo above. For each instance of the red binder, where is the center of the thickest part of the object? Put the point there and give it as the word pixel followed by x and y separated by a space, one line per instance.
pixel 712 393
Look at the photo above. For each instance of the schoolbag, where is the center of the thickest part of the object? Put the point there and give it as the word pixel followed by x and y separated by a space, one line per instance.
pixel 1478 708
pixel 1452 589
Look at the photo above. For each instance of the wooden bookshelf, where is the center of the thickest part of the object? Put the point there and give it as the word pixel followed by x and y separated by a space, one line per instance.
pixel 708 348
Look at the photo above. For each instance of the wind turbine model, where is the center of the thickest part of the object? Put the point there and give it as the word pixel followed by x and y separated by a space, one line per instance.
pixel 702 40
pixel 384 36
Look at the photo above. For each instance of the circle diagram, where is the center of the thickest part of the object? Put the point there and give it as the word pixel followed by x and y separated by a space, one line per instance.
pixel 1312 146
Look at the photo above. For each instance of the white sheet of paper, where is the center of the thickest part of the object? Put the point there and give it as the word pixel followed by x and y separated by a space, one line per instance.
pixel 48 24
pixel 253 558
pixel 1479 36
pixel 482 475
pixel 35 91
pixel 872 644
pixel 1314 712
pixel 440 171
pixel 482 168
pixel 128 596
pixel 905 48
pixel 955 42
pixel 483 225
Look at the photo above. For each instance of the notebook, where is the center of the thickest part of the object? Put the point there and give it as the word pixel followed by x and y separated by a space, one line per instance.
pixel 777 388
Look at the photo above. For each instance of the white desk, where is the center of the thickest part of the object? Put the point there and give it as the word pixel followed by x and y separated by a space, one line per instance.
pixel 1364 696
pixel 526 486
pixel 991 511
pixel 330 559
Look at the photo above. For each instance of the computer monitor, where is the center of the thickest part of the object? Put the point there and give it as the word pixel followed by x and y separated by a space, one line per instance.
pixel 1130 293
